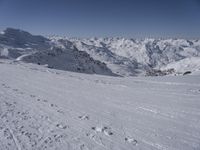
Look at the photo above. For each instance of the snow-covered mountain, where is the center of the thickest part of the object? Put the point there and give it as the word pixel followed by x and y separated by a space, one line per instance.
pixel 107 56
pixel 133 57
pixel 21 45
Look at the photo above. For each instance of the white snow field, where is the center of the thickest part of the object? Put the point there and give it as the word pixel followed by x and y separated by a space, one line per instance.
pixel 42 108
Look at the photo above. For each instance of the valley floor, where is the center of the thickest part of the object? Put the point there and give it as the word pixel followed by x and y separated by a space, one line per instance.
pixel 49 109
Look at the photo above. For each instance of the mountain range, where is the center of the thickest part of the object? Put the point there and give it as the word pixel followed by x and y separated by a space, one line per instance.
pixel 105 56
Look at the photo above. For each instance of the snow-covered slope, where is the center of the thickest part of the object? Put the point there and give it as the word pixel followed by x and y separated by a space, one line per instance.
pixel 42 108
pixel 191 64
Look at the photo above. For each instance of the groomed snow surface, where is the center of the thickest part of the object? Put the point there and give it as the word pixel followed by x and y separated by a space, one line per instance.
pixel 42 108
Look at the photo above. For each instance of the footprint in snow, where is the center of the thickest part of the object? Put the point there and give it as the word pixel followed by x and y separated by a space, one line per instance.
pixel 105 130
pixel 33 96
pixel 53 105
pixel 61 126
pixel 60 111
pixel 131 140
pixel 84 117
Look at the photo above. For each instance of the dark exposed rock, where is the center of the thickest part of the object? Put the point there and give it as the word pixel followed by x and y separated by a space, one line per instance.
pixel 187 72
pixel 154 72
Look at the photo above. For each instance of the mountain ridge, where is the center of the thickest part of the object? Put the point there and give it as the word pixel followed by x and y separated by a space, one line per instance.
pixel 22 46
pixel 106 56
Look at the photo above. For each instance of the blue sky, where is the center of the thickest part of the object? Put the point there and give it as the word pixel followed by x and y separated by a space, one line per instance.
pixel 103 18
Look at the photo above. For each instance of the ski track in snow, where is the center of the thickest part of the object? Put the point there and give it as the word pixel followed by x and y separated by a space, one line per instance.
pixel 49 109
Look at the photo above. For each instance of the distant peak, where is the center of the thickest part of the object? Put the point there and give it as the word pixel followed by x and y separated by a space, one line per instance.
pixel 2 32
pixel 15 31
